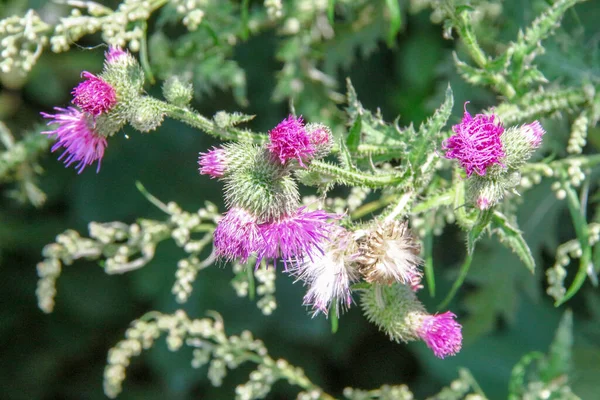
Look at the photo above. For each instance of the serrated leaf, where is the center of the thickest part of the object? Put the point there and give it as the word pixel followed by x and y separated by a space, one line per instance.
pixel 559 356
pixel 512 237
pixel 353 139
pixel 345 157
pixel 483 220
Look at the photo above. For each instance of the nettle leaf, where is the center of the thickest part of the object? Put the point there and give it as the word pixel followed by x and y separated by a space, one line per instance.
pixel 512 237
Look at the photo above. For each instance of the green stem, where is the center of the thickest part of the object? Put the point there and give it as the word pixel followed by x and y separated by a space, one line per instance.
pixel 347 177
pixel 372 206
pixel 428 250
pixel 464 269
pixel 144 54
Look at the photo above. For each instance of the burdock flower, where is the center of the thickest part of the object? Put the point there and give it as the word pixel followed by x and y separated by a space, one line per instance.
pixel 328 274
pixel 289 140
pixel 94 95
pixel 476 143
pixel 236 235
pixel 292 237
pixel 213 162
pixel 390 254
pixel 441 333
pixel 77 136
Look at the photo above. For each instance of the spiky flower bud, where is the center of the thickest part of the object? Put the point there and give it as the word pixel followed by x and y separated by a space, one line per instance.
pixel 94 95
pixel 329 274
pixel 320 138
pixel 389 253
pixel 213 162
pixel 520 143
pixel 76 134
pixel 123 73
pixel 178 92
pixel 397 312
pixel 146 114
pixel 289 140
pixel 476 143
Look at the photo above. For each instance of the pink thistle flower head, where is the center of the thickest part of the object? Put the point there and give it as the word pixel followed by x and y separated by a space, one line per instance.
pixel 236 235
pixel 289 140
pixel 441 333
pixel 114 54
pixel 94 95
pixel 533 132
pixel 295 236
pixel 476 143
pixel 213 162
pixel 328 275
pixel 76 135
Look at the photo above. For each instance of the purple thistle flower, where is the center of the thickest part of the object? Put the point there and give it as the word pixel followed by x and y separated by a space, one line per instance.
pixel 476 143
pixel 328 275
pixel 75 133
pixel 295 236
pixel 533 132
pixel 441 333
pixel 290 140
pixel 213 162
pixel 114 54
pixel 236 235
pixel 94 95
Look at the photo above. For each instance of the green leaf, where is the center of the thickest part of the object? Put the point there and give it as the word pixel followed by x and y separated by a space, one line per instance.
pixel 483 220
pixel 512 237
pixel 559 357
pixel 395 20
pixel 331 11
pixel 517 379
pixel 353 139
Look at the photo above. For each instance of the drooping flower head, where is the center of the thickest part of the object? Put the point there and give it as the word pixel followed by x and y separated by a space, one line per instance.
pixel 213 162
pixel 289 140
pixel 94 95
pixel 441 333
pixel 295 236
pixel 476 143
pixel 390 254
pixel 76 135
pixel 236 235
pixel 533 132
pixel 328 275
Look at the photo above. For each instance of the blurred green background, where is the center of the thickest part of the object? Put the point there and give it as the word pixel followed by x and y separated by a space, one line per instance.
pixel 504 310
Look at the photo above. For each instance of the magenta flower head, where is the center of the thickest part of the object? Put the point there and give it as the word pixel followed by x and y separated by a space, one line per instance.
pixel 289 140
pixel 236 235
pixel 114 54
pixel 476 143
pixel 76 135
pixel 213 162
pixel 441 333
pixel 533 132
pixel 294 236
pixel 94 95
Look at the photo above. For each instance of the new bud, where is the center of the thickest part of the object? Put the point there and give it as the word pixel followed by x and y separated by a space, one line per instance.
pixel 178 92
pixel 146 114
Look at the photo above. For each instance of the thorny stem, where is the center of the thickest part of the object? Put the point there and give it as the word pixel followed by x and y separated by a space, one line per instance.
pixel 349 177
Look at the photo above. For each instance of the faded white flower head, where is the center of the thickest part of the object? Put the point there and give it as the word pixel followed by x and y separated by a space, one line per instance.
pixel 389 254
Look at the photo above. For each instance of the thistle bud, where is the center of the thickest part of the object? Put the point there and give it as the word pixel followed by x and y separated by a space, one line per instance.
pixel 389 253
pixel 177 91
pixel 146 114
pixel 124 73
pixel 521 142
pixel 321 138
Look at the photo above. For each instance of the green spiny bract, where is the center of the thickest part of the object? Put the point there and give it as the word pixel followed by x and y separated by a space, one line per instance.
pixel 146 114
pixel 178 91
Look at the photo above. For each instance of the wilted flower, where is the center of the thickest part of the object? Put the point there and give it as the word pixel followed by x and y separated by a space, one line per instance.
pixel 476 143
pixel 329 274
pixel 213 162
pixel 289 140
pixel 390 254
pixel 441 333
pixel 294 236
pixel 94 95
pixel 236 235
pixel 76 135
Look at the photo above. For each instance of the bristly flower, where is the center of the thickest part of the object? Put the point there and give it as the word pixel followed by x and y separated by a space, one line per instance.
pixel 441 333
pixel 236 235
pixel 94 95
pixel 476 143
pixel 76 135
pixel 390 254
pixel 533 132
pixel 289 140
pixel 294 237
pixel 329 274
pixel 114 54
pixel 213 162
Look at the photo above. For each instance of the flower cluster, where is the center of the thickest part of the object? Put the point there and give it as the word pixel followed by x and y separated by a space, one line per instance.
pixel 80 132
pixel 482 145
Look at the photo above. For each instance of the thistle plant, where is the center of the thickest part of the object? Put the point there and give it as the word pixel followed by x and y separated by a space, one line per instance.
pixel 329 195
